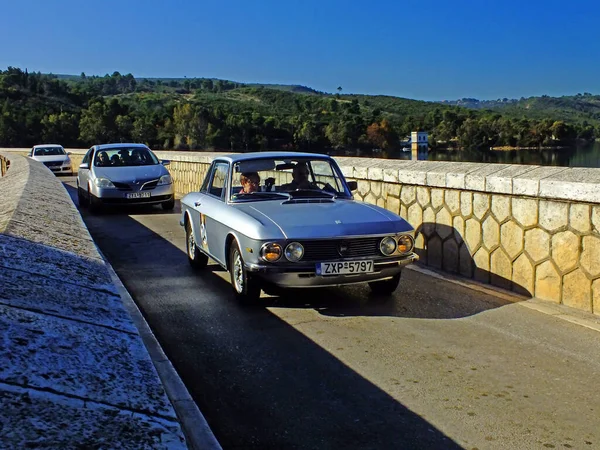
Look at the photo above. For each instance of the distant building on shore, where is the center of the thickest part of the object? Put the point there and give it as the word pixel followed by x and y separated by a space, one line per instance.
pixel 419 140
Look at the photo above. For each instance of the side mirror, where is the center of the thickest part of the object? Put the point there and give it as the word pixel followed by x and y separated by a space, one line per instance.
pixel 68 153
pixel 352 185
pixel 165 162
pixel 84 166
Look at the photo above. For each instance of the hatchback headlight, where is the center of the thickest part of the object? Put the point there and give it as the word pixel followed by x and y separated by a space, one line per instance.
pixel 103 183
pixel 405 243
pixel 271 252
pixel 294 251
pixel 387 245
pixel 165 179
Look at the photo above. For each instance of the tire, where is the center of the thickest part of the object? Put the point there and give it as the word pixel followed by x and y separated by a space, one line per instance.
pixel 246 288
pixel 385 287
pixel 196 258
pixel 168 205
pixel 81 200
pixel 93 204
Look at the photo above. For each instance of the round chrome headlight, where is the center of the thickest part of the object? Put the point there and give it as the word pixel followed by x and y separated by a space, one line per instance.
pixel 294 251
pixel 387 245
pixel 405 243
pixel 271 252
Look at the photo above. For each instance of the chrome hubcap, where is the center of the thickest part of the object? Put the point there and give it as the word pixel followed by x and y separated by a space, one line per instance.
pixel 238 272
pixel 191 245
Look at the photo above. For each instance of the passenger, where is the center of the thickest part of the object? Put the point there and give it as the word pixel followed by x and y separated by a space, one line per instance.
pixel 250 182
pixel 125 158
pixel 136 157
pixel 102 160
pixel 115 160
pixel 300 179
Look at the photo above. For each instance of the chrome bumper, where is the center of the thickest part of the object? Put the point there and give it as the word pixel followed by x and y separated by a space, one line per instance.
pixel 306 276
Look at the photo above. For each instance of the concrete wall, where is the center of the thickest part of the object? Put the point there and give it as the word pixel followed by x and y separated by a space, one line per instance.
pixel 532 229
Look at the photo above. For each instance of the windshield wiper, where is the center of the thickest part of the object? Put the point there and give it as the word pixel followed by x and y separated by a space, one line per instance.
pixel 304 193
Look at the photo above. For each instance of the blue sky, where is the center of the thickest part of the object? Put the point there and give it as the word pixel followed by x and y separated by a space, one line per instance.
pixel 428 50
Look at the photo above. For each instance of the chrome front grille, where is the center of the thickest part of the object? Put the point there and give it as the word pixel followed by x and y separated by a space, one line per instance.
pixel 53 163
pixel 332 249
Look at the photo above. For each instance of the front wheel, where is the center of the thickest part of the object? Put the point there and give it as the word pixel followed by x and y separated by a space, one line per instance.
pixel 385 287
pixel 196 258
pixel 81 200
pixel 247 288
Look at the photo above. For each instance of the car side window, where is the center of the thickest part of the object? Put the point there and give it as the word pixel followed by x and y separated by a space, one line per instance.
pixel 219 180
pixel 207 178
pixel 86 158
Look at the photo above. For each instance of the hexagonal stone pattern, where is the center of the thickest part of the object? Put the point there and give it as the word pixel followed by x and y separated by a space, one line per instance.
pixel 450 256
pixel 553 215
pixel 437 197
pixel 466 204
pixel 482 265
pixel 565 250
pixel 579 217
pixel 511 238
pixel 596 218
pixel 525 211
pixel 376 188
pixel 537 244
pixel 596 296
pixel 481 205
pixel 428 221
pixel 501 269
pixel 466 261
pixel 491 233
pixel 392 204
pixel 452 200
pixel 501 207
pixel 434 252
pixel 393 189
pixel 423 196
pixel 547 282
pixel 522 275
pixel 590 257
pixel 415 215
pixel 443 221
pixel 577 290
pixel 408 195
pixel 473 235
pixel 458 223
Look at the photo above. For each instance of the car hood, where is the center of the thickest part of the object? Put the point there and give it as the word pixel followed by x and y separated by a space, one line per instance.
pixel 127 174
pixel 51 158
pixel 326 220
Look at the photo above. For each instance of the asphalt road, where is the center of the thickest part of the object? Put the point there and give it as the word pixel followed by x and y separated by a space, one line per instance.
pixel 438 366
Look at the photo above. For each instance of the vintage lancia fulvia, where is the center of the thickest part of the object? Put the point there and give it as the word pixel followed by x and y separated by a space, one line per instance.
pixel 289 220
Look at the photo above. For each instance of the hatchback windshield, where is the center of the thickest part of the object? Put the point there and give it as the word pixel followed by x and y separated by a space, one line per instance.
pixel 124 157
pixel 48 151
pixel 260 179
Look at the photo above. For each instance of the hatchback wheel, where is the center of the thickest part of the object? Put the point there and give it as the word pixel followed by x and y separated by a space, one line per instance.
pixel 246 288
pixel 196 258
pixel 81 200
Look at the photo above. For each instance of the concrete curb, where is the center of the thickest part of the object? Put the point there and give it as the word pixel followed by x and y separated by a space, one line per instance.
pixel 195 428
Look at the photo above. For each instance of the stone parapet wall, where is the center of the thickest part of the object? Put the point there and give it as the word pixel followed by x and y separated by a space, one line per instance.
pixel 532 229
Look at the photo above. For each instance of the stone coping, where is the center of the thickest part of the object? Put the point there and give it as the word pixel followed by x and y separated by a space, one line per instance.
pixel 578 184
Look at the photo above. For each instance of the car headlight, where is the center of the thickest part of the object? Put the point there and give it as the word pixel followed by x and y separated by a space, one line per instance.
pixel 165 179
pixel 294 251
pixel 387 245
pixel 405 243
pixel 271 252
pixel 67 162
pixel 103 183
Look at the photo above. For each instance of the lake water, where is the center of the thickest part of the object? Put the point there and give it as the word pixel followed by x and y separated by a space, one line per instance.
pixel 576 156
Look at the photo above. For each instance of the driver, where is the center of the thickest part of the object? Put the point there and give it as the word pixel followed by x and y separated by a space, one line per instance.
pixel 300 179
pixel 250 182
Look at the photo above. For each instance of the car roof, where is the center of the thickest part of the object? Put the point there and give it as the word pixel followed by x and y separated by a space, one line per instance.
pixel 119 145
pixel 47 145
pixel 236 157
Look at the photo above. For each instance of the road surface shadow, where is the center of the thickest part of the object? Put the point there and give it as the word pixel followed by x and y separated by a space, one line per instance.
pixel 260 383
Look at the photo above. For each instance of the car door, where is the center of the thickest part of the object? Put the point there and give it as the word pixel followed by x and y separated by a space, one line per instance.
pixel 83 175
pixel 212 209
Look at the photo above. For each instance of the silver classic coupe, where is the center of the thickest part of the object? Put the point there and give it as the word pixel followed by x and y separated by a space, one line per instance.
pixel 289 220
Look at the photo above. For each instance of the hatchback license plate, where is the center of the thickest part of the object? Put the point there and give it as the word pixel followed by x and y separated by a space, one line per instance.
pixel 345 268
pixel 138 195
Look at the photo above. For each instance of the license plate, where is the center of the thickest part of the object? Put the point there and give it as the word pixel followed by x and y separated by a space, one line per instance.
pixel 138 195
pixel 345 268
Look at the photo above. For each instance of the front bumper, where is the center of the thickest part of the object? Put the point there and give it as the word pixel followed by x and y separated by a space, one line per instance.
pixel 111 196
pixel 306 275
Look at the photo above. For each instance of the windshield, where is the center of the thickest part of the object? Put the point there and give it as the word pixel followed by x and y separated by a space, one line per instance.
pixel 125 157
pixel 274 178
pixel 48 151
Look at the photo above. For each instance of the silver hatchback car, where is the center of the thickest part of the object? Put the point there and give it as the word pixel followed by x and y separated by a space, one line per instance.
pixel 124 174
